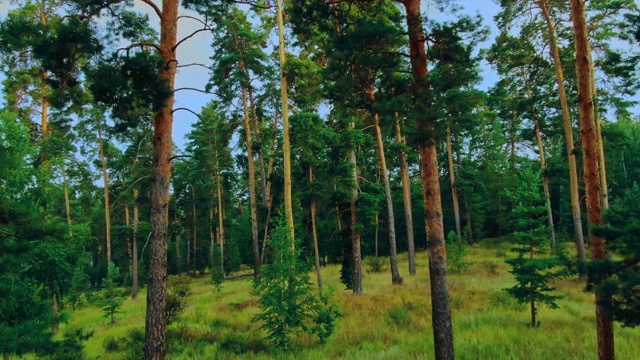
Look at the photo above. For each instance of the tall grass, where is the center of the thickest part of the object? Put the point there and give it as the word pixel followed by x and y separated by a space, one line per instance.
pixel 388 322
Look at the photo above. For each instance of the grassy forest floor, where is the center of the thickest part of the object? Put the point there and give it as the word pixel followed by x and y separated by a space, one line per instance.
pixel 388 322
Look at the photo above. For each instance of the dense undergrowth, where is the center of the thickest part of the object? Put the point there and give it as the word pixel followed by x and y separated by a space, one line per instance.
pixel 388 322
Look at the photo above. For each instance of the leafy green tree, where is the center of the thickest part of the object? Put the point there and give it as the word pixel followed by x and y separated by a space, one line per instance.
pixel 531 271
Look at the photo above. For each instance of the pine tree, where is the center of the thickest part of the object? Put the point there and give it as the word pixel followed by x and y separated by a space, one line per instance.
pixel 531 271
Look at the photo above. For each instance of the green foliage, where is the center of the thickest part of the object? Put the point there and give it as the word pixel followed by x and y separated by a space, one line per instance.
pixel 132 345
pixel 374 264
pixel 70 348
pixel 111 302
pixel 289 303
pixel 618 279
pixel 457 250
pixel 178 295
pixel 531 271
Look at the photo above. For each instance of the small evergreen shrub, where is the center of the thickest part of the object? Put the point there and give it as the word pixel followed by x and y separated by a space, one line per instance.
pixel 374 264
pixel 111 301
pixel 178 295
pixel 289 304
pixel 457 250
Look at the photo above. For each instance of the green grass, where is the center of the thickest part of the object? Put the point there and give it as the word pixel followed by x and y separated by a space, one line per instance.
pixel 388 322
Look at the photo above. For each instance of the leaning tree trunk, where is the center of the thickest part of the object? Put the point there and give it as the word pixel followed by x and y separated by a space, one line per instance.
pixel 568 134
pixel 286 147
pixel 67 203
pixel 314 229
pixel 406 199
pixel 195 232
pixel 591 168
pixel 156 322
pixel 452 180
pixel 393 256
pixel 252 185
pixel 441 317
pixel 220 213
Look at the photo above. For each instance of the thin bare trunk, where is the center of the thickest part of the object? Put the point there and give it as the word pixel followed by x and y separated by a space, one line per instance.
pixel 377 219
pixel 406 199
pixel 604 188
pixel 134 246
pixel 393 256
pixel 588 130
pixel 256 131
pixel 105 179
pixel 355 234
pixel 315 232
pixel 67 203
pixel 452 179
pixel 568 134
pixel 188 247
pixel 195 232
pixel 252 185
pixel 441 315
pixel 220 214
pixel 178 257
pixel 286 147
pixel 212 238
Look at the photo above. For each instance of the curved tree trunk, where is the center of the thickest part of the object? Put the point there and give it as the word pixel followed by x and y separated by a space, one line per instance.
pixel 393 256
pixel 591 166
pixel 406 199
pixel 220 214
pixel 67 203
pixel 568 133
pixel 441 317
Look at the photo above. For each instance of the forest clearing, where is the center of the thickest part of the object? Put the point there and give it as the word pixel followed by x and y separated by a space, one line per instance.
pixel 461 177
pixel 387 322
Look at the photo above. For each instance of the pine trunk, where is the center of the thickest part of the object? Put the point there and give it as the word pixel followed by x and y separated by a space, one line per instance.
pixel 406 199
pixel 355 233
pixel 134 246
pixel 591 166
pixel 452 179
pixel 178 257
pixel 441 317
pixel 393 256
pixel 568 134
pixel 67 203
pixel 195 232
pixel 156 323
pixel 286 147
pixel 220 214
pixel 105 179
pixel 252 185
pixel 316 249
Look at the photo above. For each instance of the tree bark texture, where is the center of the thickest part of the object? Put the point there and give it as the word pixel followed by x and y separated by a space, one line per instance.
pixel 568 133
pixel 134 246
pixel 252 185
pixel 156 324
pixel 406 199
pixel 452 179
pixel 316 249
pixel 591 166
pixel 393 254
pixel 355 233
pixel 105 179
pixel 441 317
pixel 286 146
